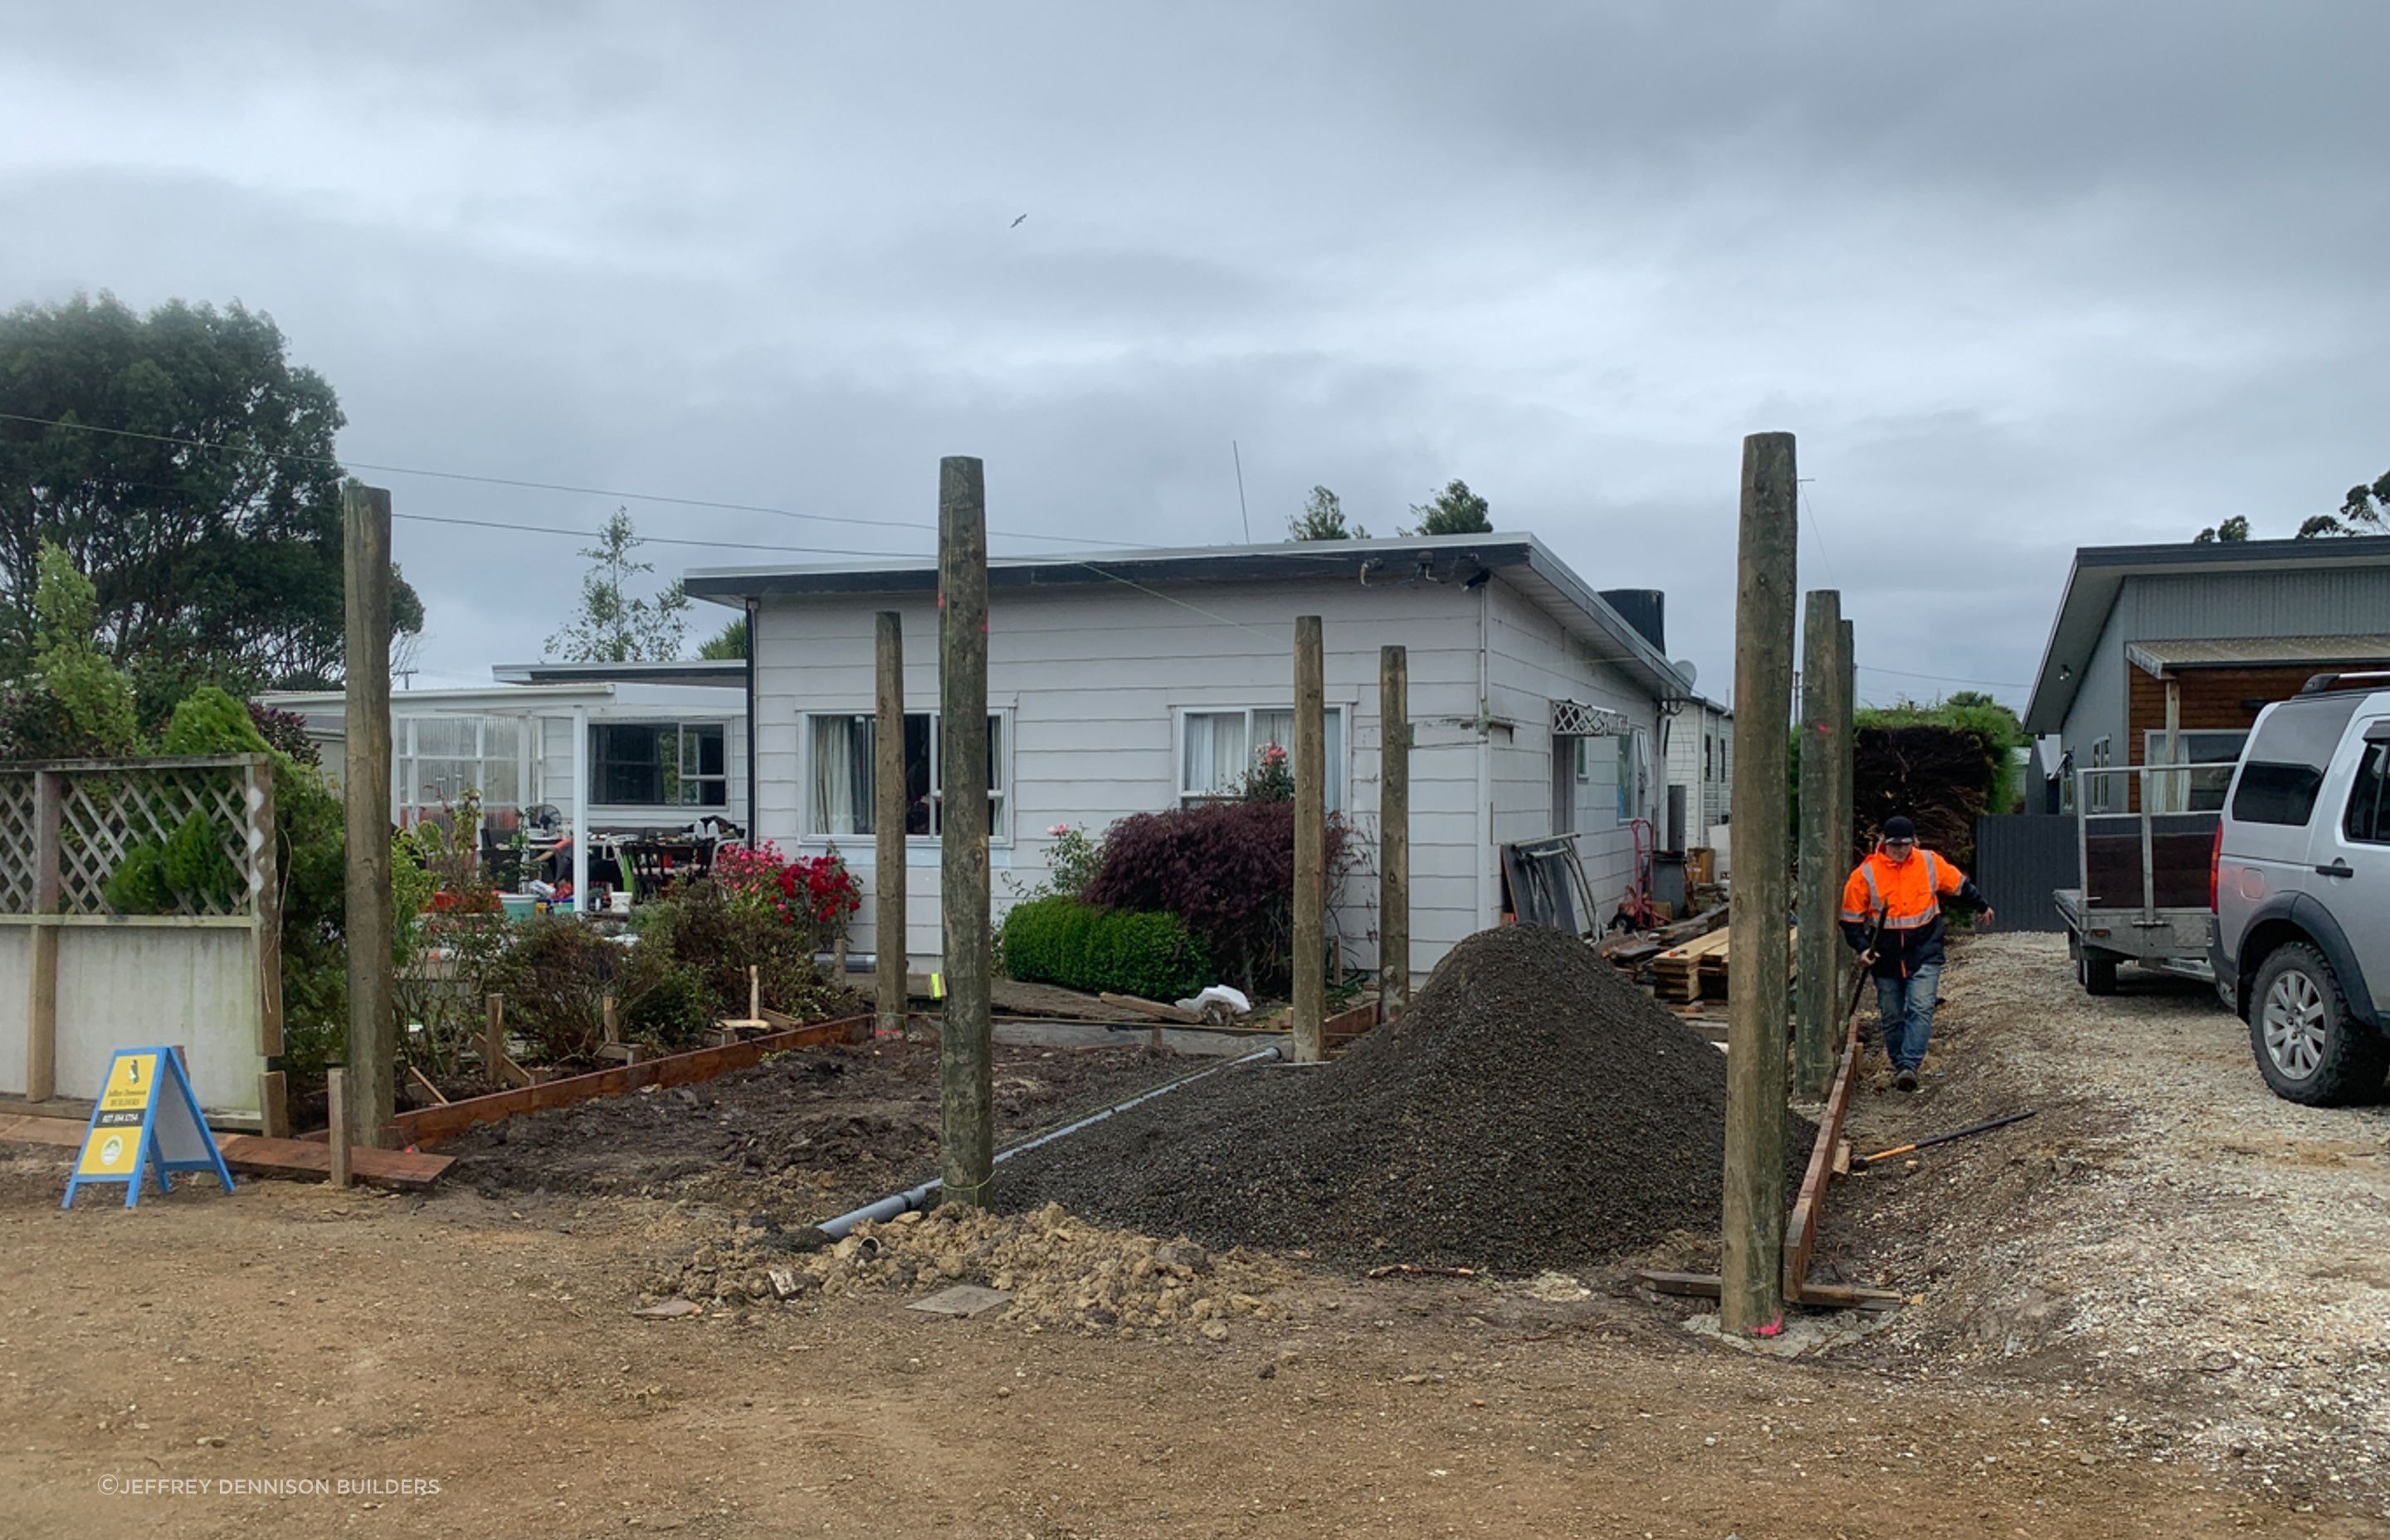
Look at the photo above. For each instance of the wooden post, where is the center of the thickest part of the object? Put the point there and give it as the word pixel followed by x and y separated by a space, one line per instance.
pixel 42 994
pixel 888 805
pixel 265 885
pixel 340 1136
pixel 373 1047
pixel 1752 1267
pixel 1393 831
pixel 966 1093
pixel 1821 755
pixel 606 1021
pixel 494 1044
pixel 1310 962
pixel 1847 799
pixel 2177 797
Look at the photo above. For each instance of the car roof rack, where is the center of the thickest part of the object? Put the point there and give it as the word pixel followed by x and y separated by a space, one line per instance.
pixel 2366 679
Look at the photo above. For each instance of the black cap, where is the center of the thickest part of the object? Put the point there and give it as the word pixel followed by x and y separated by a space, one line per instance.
pixel 1899 827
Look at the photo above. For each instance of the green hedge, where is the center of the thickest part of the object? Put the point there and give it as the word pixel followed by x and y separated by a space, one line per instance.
pixel 1061 941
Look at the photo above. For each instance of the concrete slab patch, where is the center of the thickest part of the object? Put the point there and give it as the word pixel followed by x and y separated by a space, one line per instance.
pixel 962 1299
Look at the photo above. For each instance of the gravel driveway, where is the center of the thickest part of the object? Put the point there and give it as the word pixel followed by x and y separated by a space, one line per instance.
pixel 2164 1232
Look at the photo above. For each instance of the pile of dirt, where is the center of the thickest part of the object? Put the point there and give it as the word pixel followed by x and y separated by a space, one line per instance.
pixel 805 1133
pixel 1532 1110
pixel 1061 1270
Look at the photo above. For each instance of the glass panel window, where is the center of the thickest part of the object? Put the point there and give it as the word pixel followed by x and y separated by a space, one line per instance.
pixel 1218 749
pixel 658 765
pixel 2369 798
pixel 438 759
pixel 2212 754
pixel 842 796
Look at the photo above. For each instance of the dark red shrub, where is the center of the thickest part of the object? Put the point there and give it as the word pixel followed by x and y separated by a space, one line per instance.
pixel 1227 869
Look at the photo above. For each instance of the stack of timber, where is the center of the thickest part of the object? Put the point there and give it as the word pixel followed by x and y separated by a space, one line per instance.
pixel 1702 966
pixel 1631 951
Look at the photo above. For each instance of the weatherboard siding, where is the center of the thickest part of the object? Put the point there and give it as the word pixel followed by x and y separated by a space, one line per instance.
pixel 1531 662
pixel 1091 682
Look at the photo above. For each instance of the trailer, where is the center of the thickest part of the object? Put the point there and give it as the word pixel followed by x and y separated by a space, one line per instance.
pixel 2144 890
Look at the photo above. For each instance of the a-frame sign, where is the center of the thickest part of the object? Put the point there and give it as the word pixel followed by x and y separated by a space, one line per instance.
pixel 147 1119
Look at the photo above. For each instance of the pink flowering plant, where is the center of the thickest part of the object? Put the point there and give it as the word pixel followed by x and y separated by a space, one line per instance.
pixel 1271 779
pixel 1072 859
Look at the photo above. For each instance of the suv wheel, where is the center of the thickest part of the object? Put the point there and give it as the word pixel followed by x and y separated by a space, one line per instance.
pixel 2308 1047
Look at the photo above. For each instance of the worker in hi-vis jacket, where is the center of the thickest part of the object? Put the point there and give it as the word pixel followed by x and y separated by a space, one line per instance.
pixel 1892 916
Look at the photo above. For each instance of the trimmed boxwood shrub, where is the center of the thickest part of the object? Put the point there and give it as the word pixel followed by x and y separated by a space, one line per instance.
pixel 1061 941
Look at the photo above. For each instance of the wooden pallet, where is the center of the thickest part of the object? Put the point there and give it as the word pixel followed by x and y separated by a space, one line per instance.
pixel 1677 973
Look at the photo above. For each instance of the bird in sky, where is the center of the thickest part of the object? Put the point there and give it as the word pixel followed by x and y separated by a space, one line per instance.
pixel 1015 224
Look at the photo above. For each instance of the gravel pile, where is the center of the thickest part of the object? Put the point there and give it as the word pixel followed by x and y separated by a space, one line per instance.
pixel 1060 1270
pixel 1533 1111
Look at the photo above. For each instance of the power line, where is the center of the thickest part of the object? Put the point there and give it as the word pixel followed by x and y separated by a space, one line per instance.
pixel 526 484
pixel 644 539
pixel 1948 679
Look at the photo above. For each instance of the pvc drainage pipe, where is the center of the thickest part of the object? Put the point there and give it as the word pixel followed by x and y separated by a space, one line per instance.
pixel 919 1198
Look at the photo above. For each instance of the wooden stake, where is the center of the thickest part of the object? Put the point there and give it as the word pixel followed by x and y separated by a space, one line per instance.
pixel 1846 797
pixel 1752 1294
pixel 888 805
pixel 41 997
pixel 373 1046
pixel 341 1136
pixel 1393 831
pixel 755 993
pixel 1815 1024
pixel 1310 961
pixel 494 1044
pixel 966 1093
pixel 606 1019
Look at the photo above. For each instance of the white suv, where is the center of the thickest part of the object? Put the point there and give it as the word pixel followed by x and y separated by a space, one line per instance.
pixel 2302 948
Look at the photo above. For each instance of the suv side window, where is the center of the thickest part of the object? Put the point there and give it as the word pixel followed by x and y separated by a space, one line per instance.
pixel 2368 818
pixel 2283 770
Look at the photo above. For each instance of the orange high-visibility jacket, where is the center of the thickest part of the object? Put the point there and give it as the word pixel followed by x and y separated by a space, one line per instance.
pixel 1903 902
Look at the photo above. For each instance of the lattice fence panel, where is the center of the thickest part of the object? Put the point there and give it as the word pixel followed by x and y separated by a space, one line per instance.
pixel 19 843
pixel 103 814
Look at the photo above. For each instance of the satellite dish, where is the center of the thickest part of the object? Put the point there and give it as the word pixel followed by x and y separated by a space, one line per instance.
pixel 1685 667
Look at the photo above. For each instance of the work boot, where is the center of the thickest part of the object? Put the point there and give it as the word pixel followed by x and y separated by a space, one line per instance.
pixel 1904 1080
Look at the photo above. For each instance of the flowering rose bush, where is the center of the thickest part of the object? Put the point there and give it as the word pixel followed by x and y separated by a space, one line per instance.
pixel 1072 860
pixel 816 893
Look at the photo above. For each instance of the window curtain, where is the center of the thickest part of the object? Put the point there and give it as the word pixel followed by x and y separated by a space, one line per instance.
pixel 835 750
pixel 1215 753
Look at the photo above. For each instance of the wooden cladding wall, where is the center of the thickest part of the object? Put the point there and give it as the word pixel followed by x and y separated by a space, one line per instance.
pixel 2214 699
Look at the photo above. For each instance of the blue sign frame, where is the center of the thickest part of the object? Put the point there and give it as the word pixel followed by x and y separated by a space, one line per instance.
pixel 187 1128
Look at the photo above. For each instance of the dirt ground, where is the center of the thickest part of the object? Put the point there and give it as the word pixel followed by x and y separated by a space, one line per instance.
pixel 797 1138
pixel 469 1365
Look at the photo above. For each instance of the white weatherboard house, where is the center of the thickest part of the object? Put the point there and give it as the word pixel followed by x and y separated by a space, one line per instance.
pixel 1123 682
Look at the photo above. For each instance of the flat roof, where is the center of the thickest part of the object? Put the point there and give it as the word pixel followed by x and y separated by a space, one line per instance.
pixel 1521 557
pixel 2098 573
pixel 2156 658
pixel 718 672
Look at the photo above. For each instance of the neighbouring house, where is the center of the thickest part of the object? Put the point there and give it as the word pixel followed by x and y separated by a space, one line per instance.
pixel 1700 781
pixel 1125 682
pixel 2164 655
pixel 658 746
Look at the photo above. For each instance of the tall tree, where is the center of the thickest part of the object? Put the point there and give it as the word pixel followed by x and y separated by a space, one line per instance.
pixel 613 626
pixel 1323 518
pixel 1454 511
pixel 187 464
pixel 729 642
pixel 2366 510
pixel 2230 531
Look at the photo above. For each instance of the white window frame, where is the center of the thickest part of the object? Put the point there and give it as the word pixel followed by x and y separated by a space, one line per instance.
pixel 2103 788
pixel 682 728
pixel 999 830
pixel 1339 778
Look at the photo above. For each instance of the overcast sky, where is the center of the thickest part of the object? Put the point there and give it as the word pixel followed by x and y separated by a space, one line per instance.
pixel 2021 276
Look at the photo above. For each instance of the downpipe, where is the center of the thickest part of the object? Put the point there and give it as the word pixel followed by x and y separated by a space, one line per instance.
pixel 919 1198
